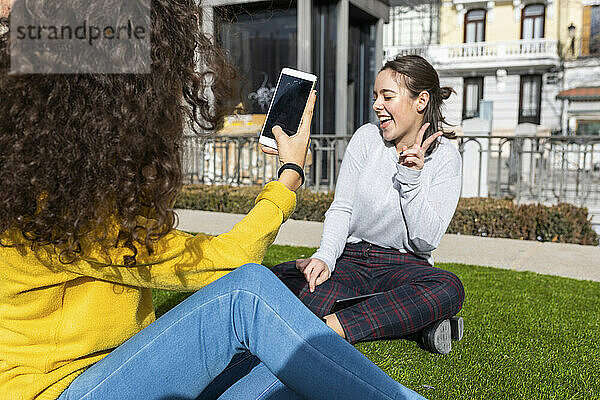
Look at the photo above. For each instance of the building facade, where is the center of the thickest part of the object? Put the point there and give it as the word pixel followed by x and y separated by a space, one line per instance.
pixel 340 41
pixel 580 94
pixel 513 56
pixel 412 24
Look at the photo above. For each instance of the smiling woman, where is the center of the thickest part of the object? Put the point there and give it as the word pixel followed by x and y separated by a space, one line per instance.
pixel 407 94
pixel 396 193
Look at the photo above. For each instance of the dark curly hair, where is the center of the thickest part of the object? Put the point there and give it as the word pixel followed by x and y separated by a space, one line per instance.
pixel 79 151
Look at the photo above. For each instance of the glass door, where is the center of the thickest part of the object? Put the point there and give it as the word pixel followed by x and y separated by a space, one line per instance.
pixel 259 42
pixel 324 20
pixel 361 68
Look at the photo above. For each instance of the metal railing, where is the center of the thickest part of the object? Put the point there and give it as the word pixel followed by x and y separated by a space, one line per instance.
pixel 238 160
pixel 226 160
pixel 546 169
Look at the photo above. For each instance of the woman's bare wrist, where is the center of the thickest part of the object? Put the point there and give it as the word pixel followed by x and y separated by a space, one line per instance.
pixel 291 179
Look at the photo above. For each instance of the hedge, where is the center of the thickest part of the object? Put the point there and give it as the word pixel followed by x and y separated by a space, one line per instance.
pixel 563 222
pixel 310 206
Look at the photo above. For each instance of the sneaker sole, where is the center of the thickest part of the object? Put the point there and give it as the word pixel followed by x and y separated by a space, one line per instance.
pixel 438 339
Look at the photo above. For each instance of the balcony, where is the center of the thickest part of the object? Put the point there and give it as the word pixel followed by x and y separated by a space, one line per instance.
pixel 481 55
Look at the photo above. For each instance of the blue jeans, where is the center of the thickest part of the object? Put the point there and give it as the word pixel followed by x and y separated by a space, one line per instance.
pixel 245 336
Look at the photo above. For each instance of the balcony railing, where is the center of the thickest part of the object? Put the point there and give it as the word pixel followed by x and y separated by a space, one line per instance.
pixel 481 51
pixel 547 169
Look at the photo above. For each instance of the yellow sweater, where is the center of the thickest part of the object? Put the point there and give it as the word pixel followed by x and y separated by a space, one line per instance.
pixel 56 320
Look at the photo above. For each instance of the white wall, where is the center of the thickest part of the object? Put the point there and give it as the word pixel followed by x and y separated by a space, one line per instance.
pixel 453 106
pixel 504 93
pixel 551 106
pixel 581 73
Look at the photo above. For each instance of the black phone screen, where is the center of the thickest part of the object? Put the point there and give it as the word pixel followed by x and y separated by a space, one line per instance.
pixel 288 105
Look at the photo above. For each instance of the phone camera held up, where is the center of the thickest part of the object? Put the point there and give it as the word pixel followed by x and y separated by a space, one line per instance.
pixel 287 106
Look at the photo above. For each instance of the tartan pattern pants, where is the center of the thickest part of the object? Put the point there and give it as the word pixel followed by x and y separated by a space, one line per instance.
pixel 415 294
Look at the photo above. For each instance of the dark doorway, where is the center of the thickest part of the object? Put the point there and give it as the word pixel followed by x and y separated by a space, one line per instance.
pixel 361 67
pixel 259 39
pixel 324 21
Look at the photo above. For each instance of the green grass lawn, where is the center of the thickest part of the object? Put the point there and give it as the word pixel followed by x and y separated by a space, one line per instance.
pixel 527 336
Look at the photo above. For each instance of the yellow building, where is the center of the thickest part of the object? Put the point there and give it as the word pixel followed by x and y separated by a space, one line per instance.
pixel 510 20
pixel 508 60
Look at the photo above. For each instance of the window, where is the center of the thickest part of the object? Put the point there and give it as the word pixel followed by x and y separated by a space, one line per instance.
pixel 588 127
pixel 259 43
pixel 472 95
pixel 361 71
pixel 532 21
pixel 530 99
pixel 590 40
pixel 475 26
pixel 412 26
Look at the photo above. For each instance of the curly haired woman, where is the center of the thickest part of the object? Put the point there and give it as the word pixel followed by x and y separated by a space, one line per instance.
pixel 89 170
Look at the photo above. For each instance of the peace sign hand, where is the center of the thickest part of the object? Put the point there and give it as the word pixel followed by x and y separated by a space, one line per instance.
pixel 414 157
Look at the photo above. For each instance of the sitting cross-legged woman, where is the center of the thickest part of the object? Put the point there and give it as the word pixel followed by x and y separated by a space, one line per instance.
pixel 397 191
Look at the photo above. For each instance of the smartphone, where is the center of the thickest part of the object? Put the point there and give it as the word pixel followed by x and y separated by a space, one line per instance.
pixel 287 105
pixel 350 301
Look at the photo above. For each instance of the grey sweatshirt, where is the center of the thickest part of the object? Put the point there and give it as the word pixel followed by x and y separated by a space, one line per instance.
pixel 385 203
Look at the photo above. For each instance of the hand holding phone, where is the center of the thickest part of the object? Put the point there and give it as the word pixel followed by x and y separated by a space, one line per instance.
pixel 276 138
pixel 288 105
pixel 294 148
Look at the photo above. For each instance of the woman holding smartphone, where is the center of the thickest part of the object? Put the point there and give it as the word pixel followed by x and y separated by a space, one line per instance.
pixel 397 191
pixel 90 167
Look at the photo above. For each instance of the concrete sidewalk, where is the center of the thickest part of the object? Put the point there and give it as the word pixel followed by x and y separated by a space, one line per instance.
pixel 561 259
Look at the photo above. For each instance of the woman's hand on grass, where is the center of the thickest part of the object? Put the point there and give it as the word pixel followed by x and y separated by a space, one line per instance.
pixel 315 271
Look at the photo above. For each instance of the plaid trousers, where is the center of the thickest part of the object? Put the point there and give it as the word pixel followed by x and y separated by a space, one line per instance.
pixel 416 294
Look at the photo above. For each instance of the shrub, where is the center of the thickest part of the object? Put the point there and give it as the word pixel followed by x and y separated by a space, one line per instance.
pixel 229 199
pixel 564 223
